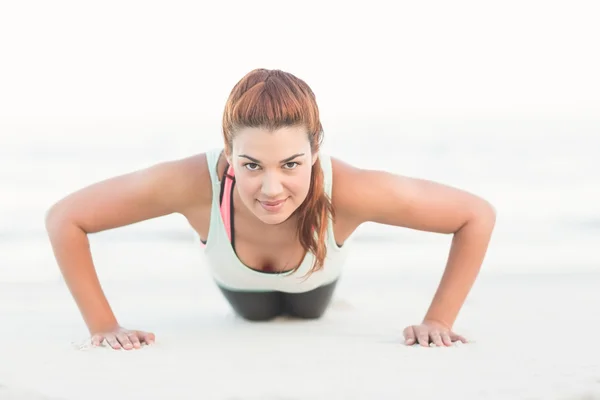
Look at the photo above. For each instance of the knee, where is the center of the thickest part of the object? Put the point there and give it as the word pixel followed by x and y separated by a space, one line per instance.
pixel 310 315
pixel 257 316
pixel 307 312
pixel 253 306
pixel 258 312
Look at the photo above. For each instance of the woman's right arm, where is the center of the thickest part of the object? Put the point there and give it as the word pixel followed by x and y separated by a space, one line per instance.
pixel 179 186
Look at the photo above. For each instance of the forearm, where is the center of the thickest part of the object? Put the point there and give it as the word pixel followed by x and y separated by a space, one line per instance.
pixel 467 252
pixel 71 249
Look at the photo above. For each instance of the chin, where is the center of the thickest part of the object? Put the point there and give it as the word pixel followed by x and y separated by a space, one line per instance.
pixel 273 218
pixel 269 220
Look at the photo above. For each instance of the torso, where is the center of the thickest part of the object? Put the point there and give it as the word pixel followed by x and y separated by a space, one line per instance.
pixel 277 248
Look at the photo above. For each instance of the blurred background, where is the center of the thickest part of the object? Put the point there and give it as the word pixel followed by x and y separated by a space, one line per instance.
pixel 501 99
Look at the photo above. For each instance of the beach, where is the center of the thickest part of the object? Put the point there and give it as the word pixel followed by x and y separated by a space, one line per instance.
pixel 530 339
pixel 498 99
pixel 531 316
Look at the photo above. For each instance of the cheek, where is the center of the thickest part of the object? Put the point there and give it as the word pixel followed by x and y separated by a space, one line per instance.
pixel 248 189
pixel 300 185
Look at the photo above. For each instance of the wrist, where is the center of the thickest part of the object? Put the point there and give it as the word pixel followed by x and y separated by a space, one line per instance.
pixel 108 325
pixel 437 321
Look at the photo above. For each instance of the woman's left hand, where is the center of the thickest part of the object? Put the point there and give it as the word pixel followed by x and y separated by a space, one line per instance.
pixel 431 332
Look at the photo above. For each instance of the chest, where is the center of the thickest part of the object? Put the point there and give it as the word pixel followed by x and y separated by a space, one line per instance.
pixel 267 248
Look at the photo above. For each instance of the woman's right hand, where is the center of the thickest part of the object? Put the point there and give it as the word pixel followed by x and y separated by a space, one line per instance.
pixel 123 338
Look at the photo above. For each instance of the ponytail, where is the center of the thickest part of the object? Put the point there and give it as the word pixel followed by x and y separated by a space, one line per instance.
pixel 313 218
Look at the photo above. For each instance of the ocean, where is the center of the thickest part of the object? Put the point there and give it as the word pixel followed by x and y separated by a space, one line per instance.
pixel 541 174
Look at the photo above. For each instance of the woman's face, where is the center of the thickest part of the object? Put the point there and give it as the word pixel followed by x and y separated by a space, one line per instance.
pixel 272 170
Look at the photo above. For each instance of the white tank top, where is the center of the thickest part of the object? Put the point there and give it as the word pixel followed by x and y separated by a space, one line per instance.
pixel 229 272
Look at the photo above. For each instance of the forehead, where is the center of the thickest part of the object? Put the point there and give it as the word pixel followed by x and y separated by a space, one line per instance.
pixel 265 144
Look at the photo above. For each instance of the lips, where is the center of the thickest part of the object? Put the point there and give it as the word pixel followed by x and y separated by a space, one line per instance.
pixel 272 203
pixel 272 206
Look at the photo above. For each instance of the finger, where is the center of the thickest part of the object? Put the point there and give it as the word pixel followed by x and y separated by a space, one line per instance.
pixel 409 336
pixel 97 340
pixel 446 339
pixel 436 338
pixel 124 340
pixel 458 338
pixel 462 339
pixel 147 337
pixel 422 336
pixel 133 338
pixel 113 342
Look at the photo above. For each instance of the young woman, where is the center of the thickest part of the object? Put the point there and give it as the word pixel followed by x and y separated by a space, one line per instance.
pixel 273 213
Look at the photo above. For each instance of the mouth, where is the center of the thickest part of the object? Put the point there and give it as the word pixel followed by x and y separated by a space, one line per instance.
pixel 272 205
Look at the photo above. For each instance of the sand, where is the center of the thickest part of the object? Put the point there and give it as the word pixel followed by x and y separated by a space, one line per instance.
pixel 534 336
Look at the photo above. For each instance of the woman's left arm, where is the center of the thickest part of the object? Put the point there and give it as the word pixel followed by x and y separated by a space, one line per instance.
pixel 386 198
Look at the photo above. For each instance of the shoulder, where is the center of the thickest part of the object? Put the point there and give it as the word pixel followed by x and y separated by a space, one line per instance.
pixel 346 181
pixel 186 181
pixel 176 186
pixel 365 195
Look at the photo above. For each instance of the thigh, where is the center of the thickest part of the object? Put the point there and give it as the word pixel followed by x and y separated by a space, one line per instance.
pixel 312 304
pixel 254 306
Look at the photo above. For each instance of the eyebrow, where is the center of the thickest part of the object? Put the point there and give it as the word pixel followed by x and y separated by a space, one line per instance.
pixel 282 161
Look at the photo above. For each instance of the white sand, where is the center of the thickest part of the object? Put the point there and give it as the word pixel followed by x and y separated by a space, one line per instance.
pixel 535 336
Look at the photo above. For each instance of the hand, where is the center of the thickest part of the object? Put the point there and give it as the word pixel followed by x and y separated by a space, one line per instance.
pixel 431 332
pixel 123 338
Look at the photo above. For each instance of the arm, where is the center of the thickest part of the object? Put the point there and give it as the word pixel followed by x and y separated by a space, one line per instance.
pixel 382 197
pixel 156 191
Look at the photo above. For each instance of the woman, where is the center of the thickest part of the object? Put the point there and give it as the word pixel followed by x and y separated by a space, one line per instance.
pixel 274 214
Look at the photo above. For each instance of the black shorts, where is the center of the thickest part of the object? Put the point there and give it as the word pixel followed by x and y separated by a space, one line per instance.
pixel 263 306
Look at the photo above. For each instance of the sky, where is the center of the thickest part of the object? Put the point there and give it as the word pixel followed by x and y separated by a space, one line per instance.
pixel 180 59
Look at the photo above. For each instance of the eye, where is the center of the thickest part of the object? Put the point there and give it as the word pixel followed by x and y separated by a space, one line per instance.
pixel 252 166
pixel 291 165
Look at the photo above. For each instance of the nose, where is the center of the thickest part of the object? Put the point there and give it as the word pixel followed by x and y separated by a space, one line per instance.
pixel 271 186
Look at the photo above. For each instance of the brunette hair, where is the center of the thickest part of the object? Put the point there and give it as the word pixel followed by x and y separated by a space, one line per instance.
pixel 272 99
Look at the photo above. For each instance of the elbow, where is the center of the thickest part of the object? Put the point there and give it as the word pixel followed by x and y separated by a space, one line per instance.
pixel 484 215
pixel 481 216
pixel 51 219
pixel 54 219
pixel 490 213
